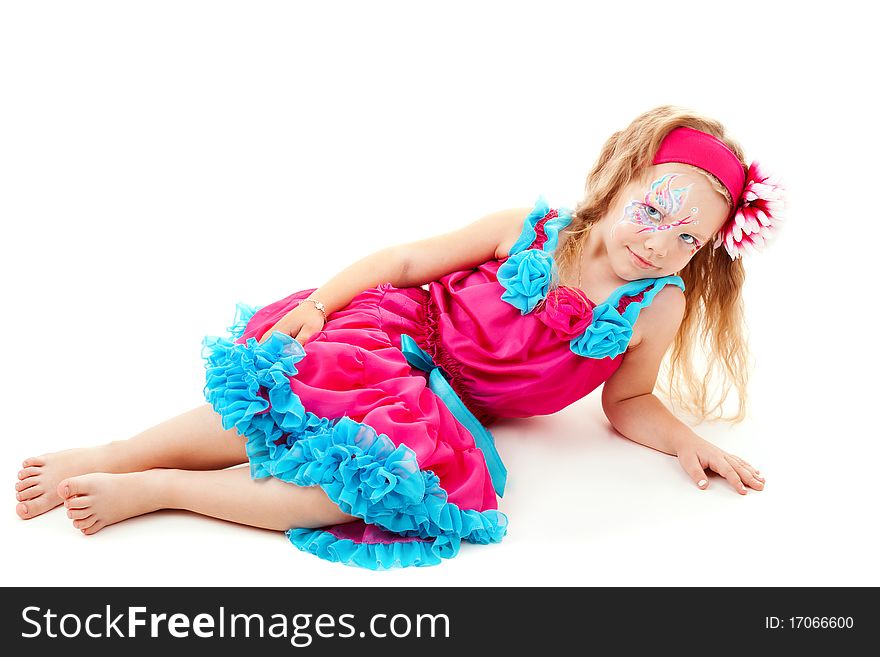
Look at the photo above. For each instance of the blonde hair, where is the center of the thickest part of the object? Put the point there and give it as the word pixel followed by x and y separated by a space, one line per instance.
pixel 711 336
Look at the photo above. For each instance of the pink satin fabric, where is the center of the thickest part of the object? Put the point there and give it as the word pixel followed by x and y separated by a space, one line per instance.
pixel 502 364
pixel 509 365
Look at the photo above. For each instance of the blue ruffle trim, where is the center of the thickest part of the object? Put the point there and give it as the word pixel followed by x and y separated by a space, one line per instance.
pixel 527 273
pixel 607 336
pixel 375 556
pixel 551 228
pixel 362 471
pixel 609 333
pixel 526 276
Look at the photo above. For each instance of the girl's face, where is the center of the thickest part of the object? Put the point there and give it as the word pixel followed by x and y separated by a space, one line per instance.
pixel 661 221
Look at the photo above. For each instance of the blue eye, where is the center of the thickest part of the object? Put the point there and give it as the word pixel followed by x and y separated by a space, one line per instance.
pixel 653 213
pixel 693 239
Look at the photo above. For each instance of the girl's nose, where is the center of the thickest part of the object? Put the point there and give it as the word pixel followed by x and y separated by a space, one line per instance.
pixel 658 242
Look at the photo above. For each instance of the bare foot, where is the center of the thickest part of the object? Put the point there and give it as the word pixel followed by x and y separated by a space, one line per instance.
pixel 40 475
pixel 99 499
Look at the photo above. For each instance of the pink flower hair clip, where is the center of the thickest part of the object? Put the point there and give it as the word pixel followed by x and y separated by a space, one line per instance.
pixel 758 213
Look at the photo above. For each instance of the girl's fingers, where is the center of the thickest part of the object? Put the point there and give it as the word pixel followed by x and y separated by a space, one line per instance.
pixel 726 470
pixel 691 465
pixel 753 472
pixel 746 473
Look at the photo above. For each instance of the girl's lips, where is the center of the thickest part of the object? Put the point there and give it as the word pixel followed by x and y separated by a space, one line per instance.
pixel 644 264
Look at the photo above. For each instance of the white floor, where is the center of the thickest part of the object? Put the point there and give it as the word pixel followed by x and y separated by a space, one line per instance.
pixel 586 506
pixel 135 214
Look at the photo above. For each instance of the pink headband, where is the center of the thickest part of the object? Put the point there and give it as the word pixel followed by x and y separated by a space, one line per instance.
pixel 757 199
pixel 705 151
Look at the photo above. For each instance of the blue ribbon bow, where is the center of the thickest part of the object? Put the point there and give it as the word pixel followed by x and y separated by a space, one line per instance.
pixel 419 358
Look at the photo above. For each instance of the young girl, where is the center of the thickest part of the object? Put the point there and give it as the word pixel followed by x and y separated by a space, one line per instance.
pixel 362 406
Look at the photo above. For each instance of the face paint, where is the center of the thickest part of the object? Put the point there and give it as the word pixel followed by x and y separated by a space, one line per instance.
pixel 663 196
pixel 661 199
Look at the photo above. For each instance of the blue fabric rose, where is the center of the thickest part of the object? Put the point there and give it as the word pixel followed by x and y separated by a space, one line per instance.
pixel 608 335
pixel 526 278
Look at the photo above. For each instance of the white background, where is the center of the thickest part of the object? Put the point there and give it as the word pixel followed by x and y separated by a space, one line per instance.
pixel 161 161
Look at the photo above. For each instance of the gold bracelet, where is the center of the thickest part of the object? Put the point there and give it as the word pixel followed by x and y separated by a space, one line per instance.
pixel 320 306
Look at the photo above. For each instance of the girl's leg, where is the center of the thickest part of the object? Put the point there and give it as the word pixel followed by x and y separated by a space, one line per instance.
pixel 96 500
pixel 194 440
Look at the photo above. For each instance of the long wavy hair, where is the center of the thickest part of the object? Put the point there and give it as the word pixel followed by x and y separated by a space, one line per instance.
pixel 709 355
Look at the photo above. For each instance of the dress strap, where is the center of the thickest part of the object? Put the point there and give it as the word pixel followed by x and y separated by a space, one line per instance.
pixel 610 331
pixel 651 286
pixel 526 273
pixel 541 227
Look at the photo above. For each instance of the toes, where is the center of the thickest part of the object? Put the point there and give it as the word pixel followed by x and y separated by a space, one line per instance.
pixel 36 505
pixel 94 528
pixel 63 489
pixel 34 460
pixel 70 487
pixel 26 483
pixel 79 514
pixel 85 523
pixel 29 493
pixel 29 472
pixel 78 502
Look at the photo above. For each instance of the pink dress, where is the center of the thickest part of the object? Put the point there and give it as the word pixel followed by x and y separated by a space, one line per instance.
pixel 350 412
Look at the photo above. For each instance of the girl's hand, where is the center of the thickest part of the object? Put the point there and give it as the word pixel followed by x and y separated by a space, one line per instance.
pixel 695 454
pixel 300 323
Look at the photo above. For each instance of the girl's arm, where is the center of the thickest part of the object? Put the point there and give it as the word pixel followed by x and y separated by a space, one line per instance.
pixel 416 263
pixel 384 266
pixel 305 320
pixel 634 411
pixel 406 265
pixel 485 239
pixel 627 397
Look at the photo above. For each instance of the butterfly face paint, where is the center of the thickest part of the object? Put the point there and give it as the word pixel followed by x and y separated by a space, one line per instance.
pixel 662 200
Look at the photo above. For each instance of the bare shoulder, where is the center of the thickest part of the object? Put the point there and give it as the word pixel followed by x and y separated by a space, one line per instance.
pixel 660 320
pixel 670 301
